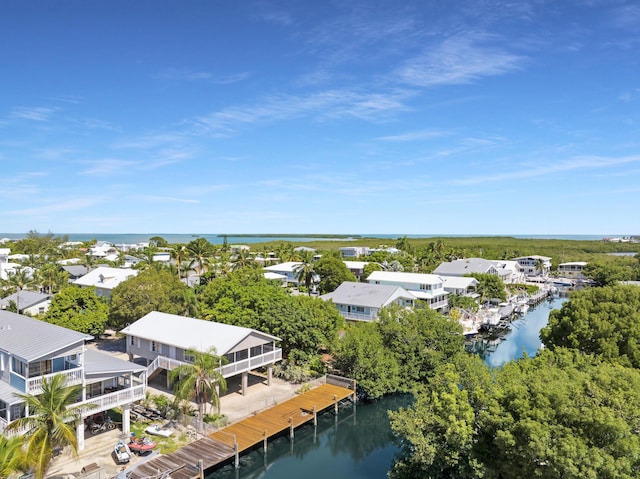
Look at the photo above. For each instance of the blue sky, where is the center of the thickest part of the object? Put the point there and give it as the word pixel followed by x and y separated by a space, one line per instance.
pixel 426 117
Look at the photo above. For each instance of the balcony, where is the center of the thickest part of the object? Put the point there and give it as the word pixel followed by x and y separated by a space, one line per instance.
pixel 114 399
pixel 358 316
pixel 72 377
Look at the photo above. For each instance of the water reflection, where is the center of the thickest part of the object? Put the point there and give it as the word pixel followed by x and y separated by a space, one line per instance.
pixel 524 336
pixel 357 443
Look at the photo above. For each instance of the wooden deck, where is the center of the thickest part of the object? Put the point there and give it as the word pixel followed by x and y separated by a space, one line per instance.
pixel 221 446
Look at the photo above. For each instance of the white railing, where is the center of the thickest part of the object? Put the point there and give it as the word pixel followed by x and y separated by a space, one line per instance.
pixel 72 377
pixel 226 370
pixel 250 363
pixel 114 399
pixel 358 316
pixel 438 304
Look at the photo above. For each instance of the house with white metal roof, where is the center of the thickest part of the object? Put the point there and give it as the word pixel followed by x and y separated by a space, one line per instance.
pixel 32 351
pixel 426 287
pixel 363 301
pixel 534 265
pixel 27 302
pixel 461 285
pixel 164 340
pixel 105 279
pixel 467 266
pixel 356 267
pixel 290 270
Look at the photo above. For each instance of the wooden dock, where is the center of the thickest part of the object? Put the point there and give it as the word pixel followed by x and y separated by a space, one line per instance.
pixel 228 443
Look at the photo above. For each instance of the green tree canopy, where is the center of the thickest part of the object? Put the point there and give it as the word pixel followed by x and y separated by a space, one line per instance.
pixel 610 272
pixel 561 414
pixel 490 287
pixel 603 321
pixel 150 290
pixel 333 272
pixel 78 309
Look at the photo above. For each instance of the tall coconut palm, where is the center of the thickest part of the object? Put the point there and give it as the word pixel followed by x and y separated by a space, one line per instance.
pixel 200 250
pixel 242 258
pixel 51 423
pixel 179 254
pixel 51 278
pixel 13 460
pixel 305 272
pixel 200 380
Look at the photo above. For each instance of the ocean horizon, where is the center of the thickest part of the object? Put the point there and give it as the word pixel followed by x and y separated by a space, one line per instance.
pixel 217 238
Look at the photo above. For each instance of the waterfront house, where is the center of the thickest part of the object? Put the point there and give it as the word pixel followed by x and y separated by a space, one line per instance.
pixel 426 287
pixel 354 251
pixel 509 271
pixel 461 285
pixel 105 279
pixel 363 301
pixel 27 302
pixel 534 265
pixel 467 266
pixel 32 350
pixel 572 270
pixel 163 340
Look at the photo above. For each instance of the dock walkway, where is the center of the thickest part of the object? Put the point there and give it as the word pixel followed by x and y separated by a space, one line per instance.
pixel 228 443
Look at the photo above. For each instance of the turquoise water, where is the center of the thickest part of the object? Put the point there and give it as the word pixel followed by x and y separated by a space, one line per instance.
pixel 214 238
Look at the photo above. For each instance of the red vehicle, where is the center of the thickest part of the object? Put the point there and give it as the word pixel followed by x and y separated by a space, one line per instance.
pixel 141 445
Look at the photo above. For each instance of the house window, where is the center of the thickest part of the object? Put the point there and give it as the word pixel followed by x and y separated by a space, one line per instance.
pixel 358 309
pixel 240 355
pixel 18 367
pixel 189 358
pixel 267 348
pixel 132 340
pixel 425 287
pixel 156 347
pixel 3 410
pixel 41 310
pixel 256 351
pixel 231 358
pixel 40 368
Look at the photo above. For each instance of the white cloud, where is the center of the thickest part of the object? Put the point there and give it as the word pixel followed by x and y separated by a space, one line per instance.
pixel 458 60
pixel 54 207
pixel 415 135
pixel 107 166
pixel 40 114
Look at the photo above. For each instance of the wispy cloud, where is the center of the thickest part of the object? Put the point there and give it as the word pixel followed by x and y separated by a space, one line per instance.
pixel 169 199
pixel 40 114
pixel 54 206
pixel 107 166
pixel 578 163
pixel 370 106
pixel 415 135
pixel 458 60
pixel 200 76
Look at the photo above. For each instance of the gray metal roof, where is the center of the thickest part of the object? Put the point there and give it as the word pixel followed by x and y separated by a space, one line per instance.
pixel 8 393
pixel 31 339
pixel 460 267
pixel 24 299
pixel 184 332
pixel 96 362
pixel 366 294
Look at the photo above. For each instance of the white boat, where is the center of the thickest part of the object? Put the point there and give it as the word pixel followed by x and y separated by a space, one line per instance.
pixel 158 431
pixel 123 453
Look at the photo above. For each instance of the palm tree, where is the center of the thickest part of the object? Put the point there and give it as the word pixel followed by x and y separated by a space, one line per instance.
pixel 200 250
pixel 51 423
pixel 200 380
pixel 52 278
pixel 13 460
pixel 241 259
pixel 304 271
pixel 540 266
pixel 179 254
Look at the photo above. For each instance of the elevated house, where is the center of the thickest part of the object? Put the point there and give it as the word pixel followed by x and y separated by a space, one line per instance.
pixel 164 340
pixel 31 303
pixel 467 266
pixel 426 287
pixel 105 279
pixel 354 251
pixel 573 270
pixel 461 285
pixel 534 265
pixel 363 301
pixel 32 351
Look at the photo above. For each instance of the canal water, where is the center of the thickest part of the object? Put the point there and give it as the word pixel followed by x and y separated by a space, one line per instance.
pixel 357 443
